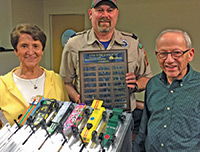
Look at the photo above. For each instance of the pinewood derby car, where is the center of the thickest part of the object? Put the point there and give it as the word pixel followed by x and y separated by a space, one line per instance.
pixel 94 120
pixel 74 118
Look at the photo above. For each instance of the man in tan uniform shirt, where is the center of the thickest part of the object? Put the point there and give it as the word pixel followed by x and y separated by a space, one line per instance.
pixel 104 15
pixel 104 36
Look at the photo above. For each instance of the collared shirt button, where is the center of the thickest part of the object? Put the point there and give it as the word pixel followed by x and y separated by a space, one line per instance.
pixel 165 126
pixel 168 108
pixel 181 84
pixel 172 91
pixel 162 145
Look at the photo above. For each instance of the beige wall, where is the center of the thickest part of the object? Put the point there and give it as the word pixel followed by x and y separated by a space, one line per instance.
pixel 6 23
pixel 25 11
pixel 13 12
pixel 28 11
pixel 145 18
pixel 8 60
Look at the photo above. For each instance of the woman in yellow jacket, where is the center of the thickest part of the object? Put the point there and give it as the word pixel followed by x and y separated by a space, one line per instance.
pixel 29 79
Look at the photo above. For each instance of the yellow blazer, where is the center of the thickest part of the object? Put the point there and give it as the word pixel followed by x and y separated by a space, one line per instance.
pixel 12 102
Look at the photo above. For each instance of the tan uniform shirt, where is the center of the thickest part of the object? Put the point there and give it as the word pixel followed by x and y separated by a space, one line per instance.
pixel 86 40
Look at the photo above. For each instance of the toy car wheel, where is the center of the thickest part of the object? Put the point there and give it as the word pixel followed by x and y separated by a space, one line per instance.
pixel 123 118
pixel 29 119
pixel 113 139
pixel 43 123
pixel 71 108
pixel 104 115
pixel 59 128
pixel 111 114
pixel 87 112
pixel 101 136
pixel 49 123
pixel 56 105
pixel 42 102
pixel 75 130
pixel 19 116
pixel 94 135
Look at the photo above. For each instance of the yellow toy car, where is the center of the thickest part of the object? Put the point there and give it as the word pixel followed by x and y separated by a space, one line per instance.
pixel 94 120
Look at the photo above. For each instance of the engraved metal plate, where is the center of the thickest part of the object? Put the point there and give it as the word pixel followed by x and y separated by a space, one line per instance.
pixel 102 76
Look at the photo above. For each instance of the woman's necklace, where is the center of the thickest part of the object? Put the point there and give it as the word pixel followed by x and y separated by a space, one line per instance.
pixel 34 84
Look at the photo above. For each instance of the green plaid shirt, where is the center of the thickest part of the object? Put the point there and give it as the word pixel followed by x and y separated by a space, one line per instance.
pixel 171 116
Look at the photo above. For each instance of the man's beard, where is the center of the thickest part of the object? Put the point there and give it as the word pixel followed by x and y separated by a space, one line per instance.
pixel 101 28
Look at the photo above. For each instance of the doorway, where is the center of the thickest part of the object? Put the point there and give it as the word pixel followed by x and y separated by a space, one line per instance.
pixel 61 23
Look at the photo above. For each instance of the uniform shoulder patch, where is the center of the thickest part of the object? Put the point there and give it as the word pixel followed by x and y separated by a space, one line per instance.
pixel 130 34
pixel 141 47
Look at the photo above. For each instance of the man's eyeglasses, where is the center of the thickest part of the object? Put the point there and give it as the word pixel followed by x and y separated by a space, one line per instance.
pixel 175 54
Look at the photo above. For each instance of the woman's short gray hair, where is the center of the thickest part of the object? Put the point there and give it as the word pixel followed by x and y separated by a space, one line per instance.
pixel 31 29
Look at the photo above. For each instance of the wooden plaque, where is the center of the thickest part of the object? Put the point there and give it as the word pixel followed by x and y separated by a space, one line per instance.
pixel 102 76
